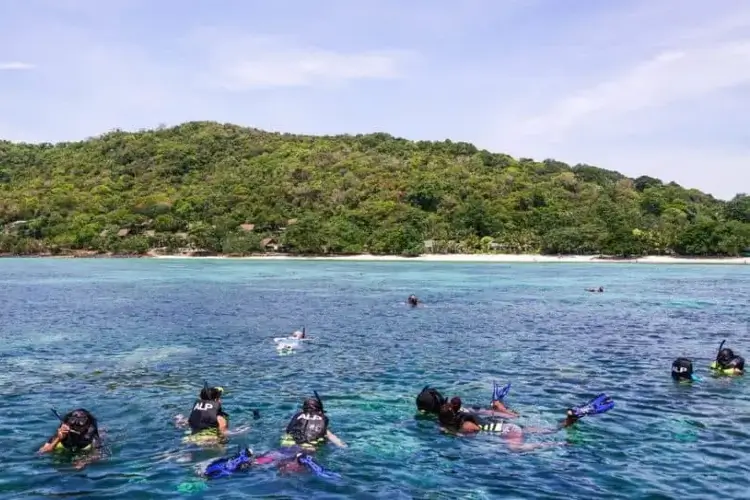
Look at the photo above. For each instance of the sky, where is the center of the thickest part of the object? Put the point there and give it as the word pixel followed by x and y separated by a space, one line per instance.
pixel 644 87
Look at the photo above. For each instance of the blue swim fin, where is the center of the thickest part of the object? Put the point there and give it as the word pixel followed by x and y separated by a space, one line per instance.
pixel 600 404
pixel 226 466
pixel 498 393
pixel 316 468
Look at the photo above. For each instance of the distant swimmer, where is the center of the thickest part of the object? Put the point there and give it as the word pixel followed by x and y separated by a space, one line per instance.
pixel 299 334
pixel 727 362
pixel 596 290
pixel 413 301
pixel 78 433
pixel 467 423
pixel 208 421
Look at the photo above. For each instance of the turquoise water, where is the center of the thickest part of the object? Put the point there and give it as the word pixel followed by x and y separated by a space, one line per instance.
pixel 132 340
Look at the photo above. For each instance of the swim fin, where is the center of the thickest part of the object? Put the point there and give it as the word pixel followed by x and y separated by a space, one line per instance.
pixel 316 468
pixel 226 466
pixel 600 404
pixel 498 393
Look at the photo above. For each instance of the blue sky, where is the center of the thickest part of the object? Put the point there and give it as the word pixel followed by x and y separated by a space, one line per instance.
pixel 657 87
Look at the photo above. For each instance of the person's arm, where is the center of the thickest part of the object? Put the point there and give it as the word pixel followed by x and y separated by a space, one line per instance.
pixel 335 440
pixel 222 421
pixel 50 445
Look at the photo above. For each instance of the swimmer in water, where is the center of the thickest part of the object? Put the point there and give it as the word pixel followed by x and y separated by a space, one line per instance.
pixel 208 421
pixel 682 370
pixel 430 401
pixel 299 335
pixel 307 430
pixel 596 290
pixel 309 427
pixel 466 423
pixel 78 432
pixel 728 363
pixel 412 300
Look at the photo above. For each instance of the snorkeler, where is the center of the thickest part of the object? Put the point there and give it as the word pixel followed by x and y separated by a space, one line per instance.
pixel 299 335
pixel 431 401
pixel 412 300
pixel 208 421
pixel 466 423
pixel 309 427
pixel 78 432
pixel 682 371
pixel 727 362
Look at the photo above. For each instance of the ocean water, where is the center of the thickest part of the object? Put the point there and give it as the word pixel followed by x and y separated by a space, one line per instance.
pixel 133 340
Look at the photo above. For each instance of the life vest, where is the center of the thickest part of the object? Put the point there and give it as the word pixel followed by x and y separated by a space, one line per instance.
pixel 204 415
pixel 729 367
pixel 308 427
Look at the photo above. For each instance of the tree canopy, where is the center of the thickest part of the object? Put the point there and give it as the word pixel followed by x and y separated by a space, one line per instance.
pixel 226 189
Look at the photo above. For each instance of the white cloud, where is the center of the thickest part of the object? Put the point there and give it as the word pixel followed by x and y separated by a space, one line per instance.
pixel 258 62
pixel 670 76
pixel 301 68
pixel 15 65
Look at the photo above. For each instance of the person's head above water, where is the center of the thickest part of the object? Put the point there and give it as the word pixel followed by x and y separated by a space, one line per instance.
pixel 429 400
pixel 412 300
pixel 211 393
pixel 456 403
pixel 79 421
pixel 312 405
pixel 725 356
pixel 682 370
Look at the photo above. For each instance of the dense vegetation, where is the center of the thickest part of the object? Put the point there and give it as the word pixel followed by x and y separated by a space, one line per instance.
pixel 233 190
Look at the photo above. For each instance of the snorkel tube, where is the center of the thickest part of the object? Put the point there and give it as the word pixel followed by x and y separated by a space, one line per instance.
pixel 719 351
pixel 715 365
pixel 320 401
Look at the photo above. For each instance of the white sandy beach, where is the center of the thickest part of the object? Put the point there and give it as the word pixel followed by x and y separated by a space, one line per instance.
pixel 489 258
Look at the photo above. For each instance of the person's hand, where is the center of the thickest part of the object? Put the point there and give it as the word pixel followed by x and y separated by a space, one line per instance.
pixel 63 431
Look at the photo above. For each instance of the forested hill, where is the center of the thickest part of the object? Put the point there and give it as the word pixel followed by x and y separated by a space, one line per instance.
pixel 233 190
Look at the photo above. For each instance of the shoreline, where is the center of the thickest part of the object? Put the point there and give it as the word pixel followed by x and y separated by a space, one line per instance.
pixel 436 258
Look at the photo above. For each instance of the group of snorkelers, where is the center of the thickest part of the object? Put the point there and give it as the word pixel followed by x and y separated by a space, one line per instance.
pixel 307 429
pixel 454 418
pixel 727 363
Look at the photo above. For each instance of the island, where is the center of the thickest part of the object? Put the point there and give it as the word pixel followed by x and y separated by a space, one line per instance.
pixel 206 188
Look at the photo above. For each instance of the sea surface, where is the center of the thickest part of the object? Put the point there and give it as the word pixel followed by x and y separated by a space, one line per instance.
pixel 134 340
